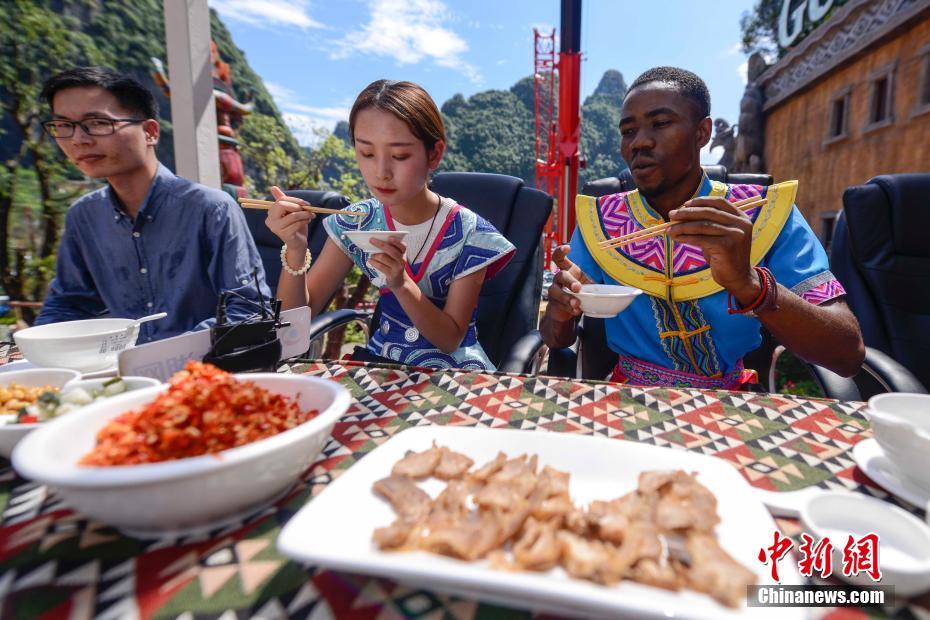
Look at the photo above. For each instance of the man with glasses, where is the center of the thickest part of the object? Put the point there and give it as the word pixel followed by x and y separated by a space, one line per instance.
pixel 149 241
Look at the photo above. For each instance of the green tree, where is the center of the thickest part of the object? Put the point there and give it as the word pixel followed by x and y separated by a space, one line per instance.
pixel 35 42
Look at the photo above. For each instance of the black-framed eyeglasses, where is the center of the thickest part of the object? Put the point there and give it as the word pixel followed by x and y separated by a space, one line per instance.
pixel 91 126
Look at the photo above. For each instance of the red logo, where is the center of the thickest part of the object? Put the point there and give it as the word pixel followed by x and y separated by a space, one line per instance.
pixel 859 556
pixel 780 547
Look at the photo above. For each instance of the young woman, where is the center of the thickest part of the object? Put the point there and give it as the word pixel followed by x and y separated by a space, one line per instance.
pixel 429 284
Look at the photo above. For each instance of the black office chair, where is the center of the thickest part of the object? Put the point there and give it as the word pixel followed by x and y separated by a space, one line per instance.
pixel 269 246
pixel 881 256
pixel 508 305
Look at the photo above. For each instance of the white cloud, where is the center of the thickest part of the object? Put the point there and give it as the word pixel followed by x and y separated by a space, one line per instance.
pixel 743 71
pixel 410 31
pixel 268 13
pixel 306 122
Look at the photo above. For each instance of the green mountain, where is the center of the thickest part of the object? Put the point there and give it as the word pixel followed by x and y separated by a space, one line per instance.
pixel 126 34
pixel 493 131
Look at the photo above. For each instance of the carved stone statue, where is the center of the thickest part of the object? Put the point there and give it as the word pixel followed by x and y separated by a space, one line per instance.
pixel 750 143
pixel 229 113
pixel 724 136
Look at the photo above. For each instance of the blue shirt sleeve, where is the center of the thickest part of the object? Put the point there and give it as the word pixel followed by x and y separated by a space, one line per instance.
pixel 797 256
pixel 580 255
pixel 72 294
pixel 233 259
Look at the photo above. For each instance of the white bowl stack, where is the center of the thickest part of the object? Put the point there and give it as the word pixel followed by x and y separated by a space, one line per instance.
pixel 86 346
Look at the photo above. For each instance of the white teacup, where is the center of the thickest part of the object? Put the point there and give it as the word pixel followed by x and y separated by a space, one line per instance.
pixel 901 425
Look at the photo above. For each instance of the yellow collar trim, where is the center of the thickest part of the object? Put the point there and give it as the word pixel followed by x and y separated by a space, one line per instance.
pixel 766 228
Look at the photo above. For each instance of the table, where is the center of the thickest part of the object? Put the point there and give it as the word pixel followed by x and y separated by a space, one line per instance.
pixel 54 564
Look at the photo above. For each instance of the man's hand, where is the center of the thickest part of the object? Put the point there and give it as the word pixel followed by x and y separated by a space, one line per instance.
pixel 562 306
pixel 724 234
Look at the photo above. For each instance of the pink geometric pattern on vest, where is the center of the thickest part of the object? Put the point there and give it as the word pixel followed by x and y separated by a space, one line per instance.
pixel 615 213
pixel 824 292
pixel 689 258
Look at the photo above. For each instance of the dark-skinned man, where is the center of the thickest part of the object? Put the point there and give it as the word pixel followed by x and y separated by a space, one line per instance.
pixel 716 277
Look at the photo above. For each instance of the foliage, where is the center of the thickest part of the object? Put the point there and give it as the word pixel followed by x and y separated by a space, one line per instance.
pixel 35 42
pixel 600 134
pixel 760 28
pixel 494 131
pixel 336 161
pixel 263 141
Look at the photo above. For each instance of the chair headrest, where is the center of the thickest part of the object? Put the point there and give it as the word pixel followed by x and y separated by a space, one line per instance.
pixel 909 197
pixel 472 188
pixel 895 207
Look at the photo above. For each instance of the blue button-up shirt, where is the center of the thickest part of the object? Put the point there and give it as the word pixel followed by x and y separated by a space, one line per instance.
pixel 187 244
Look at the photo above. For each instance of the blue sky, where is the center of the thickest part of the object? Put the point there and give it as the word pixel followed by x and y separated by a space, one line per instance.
pixel 315 55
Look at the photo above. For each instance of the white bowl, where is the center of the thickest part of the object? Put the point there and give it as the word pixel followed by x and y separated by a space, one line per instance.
pixel 35 377
pixel 901 425
pixel 604 301
pixel 362 238
pixel 11 433
pixel 904 540
pixel 85 346
pixel 186 495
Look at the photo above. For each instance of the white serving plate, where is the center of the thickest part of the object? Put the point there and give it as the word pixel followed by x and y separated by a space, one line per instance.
pixel 334 530
pixel 183 496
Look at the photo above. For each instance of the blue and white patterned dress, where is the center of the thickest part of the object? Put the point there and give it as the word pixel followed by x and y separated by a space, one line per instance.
pixel 465 244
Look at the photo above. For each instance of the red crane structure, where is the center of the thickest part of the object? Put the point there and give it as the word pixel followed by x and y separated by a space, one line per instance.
pixel 558 131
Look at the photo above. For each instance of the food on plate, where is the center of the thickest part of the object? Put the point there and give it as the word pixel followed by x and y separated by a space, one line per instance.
pixel 53 403
pixel 522 518
pixel 14 397
pixel 205 410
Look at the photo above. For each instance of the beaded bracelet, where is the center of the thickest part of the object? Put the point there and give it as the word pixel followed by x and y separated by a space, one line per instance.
pixel 767 299
pixel 287 268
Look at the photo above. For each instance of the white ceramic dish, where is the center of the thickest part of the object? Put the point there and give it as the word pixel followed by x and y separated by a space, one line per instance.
pixel 31 377
pixel 11 433
pixel 904 540
pixel 901 426
pixel 112 371
pixel 362 238
pixel 334 530
pixel 872 460
pixel 604 301
pixel 185 495
pixel 86 346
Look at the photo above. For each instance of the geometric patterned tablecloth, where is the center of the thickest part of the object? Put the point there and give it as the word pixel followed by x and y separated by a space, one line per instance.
pixel 55 564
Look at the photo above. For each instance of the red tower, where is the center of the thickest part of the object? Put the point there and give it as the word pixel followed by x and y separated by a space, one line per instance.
pixel 558 135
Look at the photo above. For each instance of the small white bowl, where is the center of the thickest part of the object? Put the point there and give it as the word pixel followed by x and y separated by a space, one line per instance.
pixel 901 425
pixel 85 346
pixel 904 540
pixel 183 496
pixel 362 238
pixel 604 301
pixel 11 433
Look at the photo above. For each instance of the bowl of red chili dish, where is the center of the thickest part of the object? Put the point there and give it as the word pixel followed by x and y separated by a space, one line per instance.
pixel 199 452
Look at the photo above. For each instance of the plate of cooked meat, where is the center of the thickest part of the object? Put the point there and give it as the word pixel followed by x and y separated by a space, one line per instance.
pixel 549 522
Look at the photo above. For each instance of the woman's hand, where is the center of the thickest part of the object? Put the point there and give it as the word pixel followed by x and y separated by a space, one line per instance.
pixel 288 221
pixel 391 261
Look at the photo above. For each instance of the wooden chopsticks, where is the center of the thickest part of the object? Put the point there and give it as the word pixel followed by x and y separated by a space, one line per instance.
pixel 655 231
pixel 255 203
